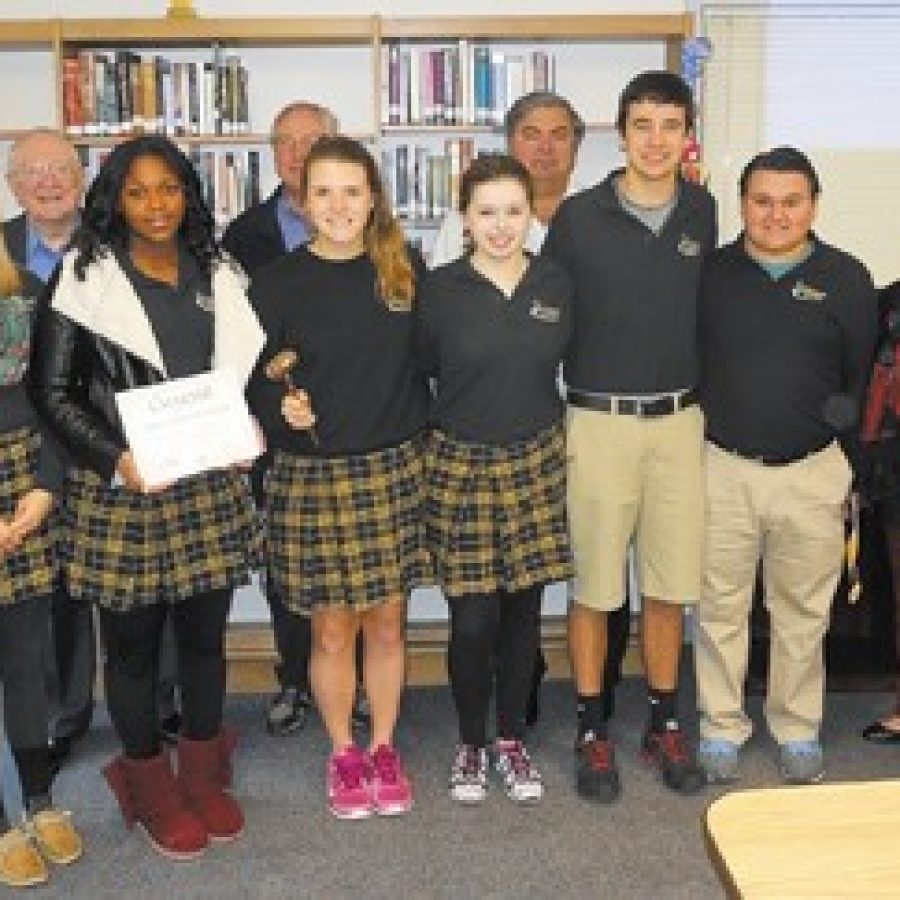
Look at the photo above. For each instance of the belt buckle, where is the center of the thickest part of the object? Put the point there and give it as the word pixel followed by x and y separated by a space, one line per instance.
pixel 650 408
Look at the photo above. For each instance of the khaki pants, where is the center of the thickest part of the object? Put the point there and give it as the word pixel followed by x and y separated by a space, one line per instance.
pixel 790 517
pixel 642 479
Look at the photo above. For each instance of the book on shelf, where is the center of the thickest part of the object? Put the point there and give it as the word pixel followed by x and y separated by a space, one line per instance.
pixel 109 94
pixel 461 84
pixel 423 183
pixel 229 178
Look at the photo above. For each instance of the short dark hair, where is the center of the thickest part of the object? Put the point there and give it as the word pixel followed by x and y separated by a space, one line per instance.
pixel 656 87
pixel 103 227
pixel 781 159
pixel 490 167
pixel 527 103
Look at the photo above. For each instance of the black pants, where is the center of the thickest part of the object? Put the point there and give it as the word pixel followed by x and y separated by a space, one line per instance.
pixel 24 650
pixel 293 643
pixel 480 625
pixel 72 667
pixel 133 640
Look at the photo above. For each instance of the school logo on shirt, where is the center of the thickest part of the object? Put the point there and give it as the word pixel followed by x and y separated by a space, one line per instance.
pixel 544 312
pixel 803 291
pixel 688 246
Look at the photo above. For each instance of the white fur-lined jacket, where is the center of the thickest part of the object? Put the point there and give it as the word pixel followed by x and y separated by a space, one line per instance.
pixel 92 338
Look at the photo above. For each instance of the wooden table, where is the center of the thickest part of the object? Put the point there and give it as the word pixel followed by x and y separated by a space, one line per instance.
pixel 829 840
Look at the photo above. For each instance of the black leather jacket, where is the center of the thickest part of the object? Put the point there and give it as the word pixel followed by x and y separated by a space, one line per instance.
pixel 72 381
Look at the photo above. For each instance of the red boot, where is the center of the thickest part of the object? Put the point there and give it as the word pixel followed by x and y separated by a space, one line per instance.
pixel 204 768
pixel 150 795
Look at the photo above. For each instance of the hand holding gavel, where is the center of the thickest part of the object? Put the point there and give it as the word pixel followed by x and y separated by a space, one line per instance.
pixel 279 369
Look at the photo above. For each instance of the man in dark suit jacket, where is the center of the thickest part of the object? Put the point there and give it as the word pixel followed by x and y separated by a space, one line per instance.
pixel 270 229
pixel 47 181
pixel 258 236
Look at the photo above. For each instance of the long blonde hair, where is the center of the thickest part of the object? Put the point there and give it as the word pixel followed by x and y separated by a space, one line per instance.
pixel 10 276
pixel 384 239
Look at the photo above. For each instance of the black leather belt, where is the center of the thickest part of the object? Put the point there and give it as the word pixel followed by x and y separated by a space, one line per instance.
pixel 646 407
pixel 769 459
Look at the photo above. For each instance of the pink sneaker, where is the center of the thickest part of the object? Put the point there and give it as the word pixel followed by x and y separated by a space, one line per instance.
pixel 349 778
pixel 391 788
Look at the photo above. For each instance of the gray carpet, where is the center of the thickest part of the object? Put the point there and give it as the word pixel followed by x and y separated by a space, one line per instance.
pixel 649 845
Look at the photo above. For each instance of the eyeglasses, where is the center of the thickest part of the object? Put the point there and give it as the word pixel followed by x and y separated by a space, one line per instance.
pixel 40 171
pixel 294 141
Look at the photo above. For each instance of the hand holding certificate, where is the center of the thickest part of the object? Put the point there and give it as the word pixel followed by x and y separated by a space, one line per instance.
pixel 188 425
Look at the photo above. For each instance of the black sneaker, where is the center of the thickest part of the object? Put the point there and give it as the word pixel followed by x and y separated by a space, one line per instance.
pixel 360 717
pixel 288 711
pixel 670 752
pixel 596 773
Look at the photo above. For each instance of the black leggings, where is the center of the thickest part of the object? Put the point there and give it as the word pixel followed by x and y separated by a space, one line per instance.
pixel 24 651
pixel 132 640
pixel 480 624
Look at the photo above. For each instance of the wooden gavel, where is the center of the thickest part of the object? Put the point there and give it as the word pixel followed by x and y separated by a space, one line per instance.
pixel 279 369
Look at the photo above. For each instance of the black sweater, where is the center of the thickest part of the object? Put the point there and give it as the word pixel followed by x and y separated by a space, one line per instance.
pixel 356 356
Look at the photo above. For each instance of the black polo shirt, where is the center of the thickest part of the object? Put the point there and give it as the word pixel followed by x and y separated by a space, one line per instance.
pixel 180 314
pixel 776 353
pixel 355 351
pixel 635 291
pixel 494 358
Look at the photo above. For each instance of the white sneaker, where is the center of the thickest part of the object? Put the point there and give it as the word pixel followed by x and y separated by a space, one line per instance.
pixel 521 780
pixel 468 776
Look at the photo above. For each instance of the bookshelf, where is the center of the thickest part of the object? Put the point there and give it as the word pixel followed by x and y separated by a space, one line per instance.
pixel 341 62
pixel 338 61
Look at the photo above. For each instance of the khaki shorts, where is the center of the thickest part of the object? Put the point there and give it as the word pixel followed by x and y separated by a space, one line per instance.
pixel 642 479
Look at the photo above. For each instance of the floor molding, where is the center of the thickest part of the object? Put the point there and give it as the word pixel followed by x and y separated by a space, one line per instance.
pixel 250 654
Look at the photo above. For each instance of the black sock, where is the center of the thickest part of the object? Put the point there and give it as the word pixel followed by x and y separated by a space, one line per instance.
pixel 591 715
pixel 663 712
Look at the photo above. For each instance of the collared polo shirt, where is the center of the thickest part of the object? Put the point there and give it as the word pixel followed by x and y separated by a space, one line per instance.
pixel 494 358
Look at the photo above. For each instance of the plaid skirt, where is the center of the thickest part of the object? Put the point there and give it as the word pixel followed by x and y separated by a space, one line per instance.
pixel 122 550
pixel 495 516
pixel 28 571
pixel 345 531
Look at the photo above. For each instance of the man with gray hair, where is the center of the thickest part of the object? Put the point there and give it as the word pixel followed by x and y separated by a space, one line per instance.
pixel 276 226
pixel 543 132
pixel 47 181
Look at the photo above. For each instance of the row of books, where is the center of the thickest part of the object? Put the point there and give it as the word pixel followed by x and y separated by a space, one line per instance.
pixel 230 178
pixel 463 84
pixel 124 92
pixel 423 183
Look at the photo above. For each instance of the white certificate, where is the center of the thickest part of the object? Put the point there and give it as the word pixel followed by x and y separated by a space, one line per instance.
pixel 187 425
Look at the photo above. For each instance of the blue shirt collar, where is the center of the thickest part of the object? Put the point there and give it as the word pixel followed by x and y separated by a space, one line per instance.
pixel 294 226
pixel 40 259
